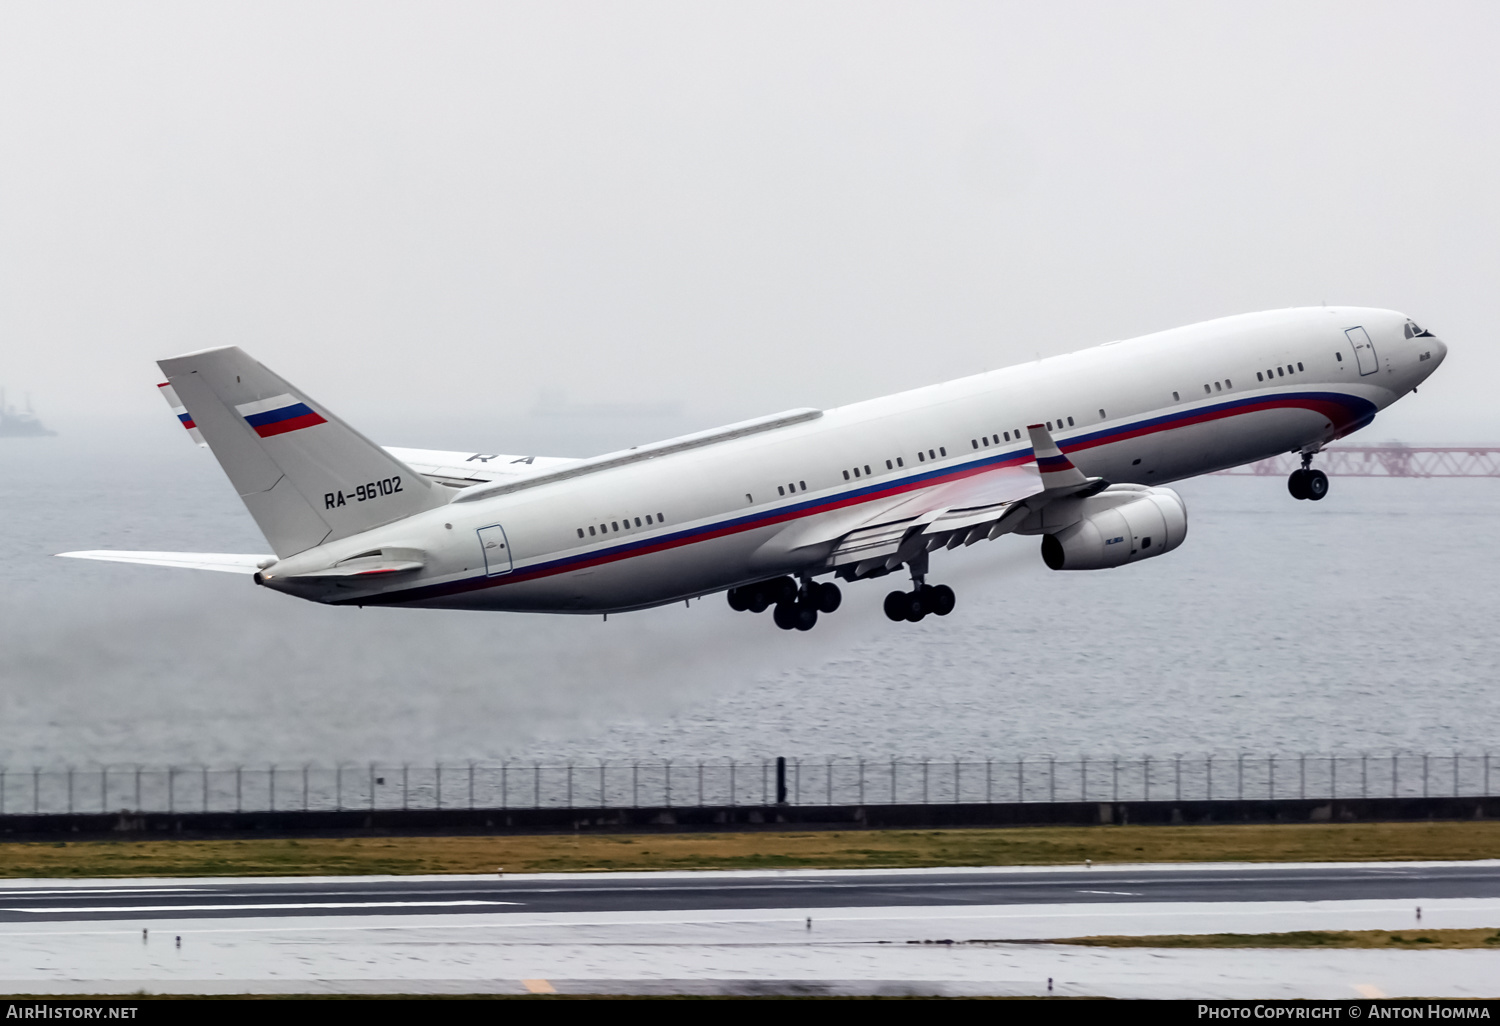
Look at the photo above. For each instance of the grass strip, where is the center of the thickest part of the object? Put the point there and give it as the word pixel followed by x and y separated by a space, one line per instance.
pixel 809 849
pixel 1406 940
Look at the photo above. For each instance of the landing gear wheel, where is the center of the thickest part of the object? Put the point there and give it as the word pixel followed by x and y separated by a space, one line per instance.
pixel 1297 484
pixel 786 589
pixel 1315 484
pixel 738 600
pixel 918 604
pixel 943 600
pixel 787 615
pixel 757 600
pixel 826 597
pixel 896 606
pixel 807 616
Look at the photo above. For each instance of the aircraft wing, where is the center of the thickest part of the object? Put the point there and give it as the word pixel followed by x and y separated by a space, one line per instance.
pixel 463 469
pixel 959 513
pixel 226 562
pixel 981 506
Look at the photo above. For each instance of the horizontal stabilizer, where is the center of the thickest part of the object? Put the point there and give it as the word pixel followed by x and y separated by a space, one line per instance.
pixel 226 562
pixel 465 469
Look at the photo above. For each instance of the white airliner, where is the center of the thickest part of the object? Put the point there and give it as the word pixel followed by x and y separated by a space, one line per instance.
pixel 1073 448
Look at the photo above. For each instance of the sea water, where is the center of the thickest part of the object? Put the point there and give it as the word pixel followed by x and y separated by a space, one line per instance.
pixel 1361 623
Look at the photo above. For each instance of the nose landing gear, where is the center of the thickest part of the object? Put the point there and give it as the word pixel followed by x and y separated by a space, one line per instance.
pixel 923 598
pixel 1307 483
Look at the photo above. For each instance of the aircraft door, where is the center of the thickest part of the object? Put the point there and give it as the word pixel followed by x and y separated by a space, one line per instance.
pixel 496 550
pixel 1364 350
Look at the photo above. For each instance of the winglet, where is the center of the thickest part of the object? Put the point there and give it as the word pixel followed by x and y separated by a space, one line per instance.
pixel 1057 470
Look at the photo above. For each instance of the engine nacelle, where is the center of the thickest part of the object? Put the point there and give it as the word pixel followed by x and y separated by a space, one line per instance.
pixel 1118 527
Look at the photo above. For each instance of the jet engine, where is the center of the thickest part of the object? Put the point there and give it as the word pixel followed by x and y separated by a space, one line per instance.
pixel 1122 524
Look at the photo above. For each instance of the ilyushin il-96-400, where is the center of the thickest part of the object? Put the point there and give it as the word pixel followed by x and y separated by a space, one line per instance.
pixel 1075 449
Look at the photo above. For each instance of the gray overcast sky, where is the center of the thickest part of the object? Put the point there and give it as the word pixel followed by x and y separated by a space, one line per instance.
pixel 417 209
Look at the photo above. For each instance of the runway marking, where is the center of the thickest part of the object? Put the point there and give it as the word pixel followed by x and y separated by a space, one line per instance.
pixel 86 892
pixel 279 907
pixel 538 987
pixel 1368 990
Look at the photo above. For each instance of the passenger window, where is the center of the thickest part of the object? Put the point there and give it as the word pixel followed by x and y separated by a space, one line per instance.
pixel 900 462
pixel 920 459
pixel 591 530
pixel 867 470
pixel 1207 390
pixel 1007 436
pixel 780 490
pixel 1228 383
pixel 803 484
pixel 1259 376
pixel 942 450
pixel 1070 422
pixel 1176 398
pixel 637 521
pixel 1339 357
pixel 856 471
pixel 1299 365
pixel 1289 368
pixel 603 528
pixel 747 499
pixel 932 456
pixel 1101 414
pixel 616 525
pixel 1049 425
pixel 1280 373
pixel 580 532
pixel 648 515
pixel 974 442
pixel 1218 387
pixel 846 475
pixel 888 465
pixel 660 519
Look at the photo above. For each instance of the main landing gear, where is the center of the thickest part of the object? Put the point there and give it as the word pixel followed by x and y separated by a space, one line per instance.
pixel 1307 483
pixel 922 599
pixel 796 608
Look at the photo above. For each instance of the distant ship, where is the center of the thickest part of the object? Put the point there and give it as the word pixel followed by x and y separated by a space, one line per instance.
pixel 16 423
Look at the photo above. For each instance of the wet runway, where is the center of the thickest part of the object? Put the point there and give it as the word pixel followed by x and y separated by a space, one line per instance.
pixel 54 901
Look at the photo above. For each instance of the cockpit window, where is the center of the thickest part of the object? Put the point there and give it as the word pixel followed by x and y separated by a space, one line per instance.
pixel 1413 331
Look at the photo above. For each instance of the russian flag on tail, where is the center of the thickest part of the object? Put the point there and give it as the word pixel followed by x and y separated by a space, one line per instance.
pixel 170 395
pixel 278 415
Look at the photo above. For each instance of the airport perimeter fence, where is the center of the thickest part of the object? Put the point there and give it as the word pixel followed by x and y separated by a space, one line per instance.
pixel 727 782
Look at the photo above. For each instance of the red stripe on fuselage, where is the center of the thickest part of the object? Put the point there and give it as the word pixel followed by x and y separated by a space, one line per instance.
pixel 1336 412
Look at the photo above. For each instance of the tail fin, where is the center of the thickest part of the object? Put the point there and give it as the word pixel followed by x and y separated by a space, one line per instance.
pixel 306 476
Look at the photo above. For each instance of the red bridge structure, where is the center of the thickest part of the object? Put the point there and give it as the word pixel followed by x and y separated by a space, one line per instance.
pixel 1390 460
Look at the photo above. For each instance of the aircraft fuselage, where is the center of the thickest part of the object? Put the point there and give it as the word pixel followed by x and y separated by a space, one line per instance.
pixel 1147 411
